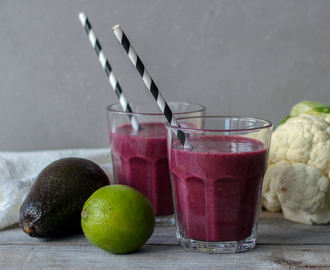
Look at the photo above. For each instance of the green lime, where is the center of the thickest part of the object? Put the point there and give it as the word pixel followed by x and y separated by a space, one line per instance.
pixel 118 219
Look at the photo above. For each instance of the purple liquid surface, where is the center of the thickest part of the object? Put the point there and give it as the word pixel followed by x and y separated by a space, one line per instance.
pixel 140 161
pixel 217 186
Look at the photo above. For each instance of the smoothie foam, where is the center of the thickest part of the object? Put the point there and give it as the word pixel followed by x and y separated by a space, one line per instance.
pixel 140 161
pixel 217 186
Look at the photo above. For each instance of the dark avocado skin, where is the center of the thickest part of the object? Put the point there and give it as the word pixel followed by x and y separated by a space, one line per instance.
pixel 54 204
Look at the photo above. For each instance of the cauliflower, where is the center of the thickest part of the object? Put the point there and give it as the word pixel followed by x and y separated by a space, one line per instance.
pixel 298 177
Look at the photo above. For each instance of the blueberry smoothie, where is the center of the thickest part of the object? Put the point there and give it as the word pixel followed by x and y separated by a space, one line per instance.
pixel 217 186
pixel 140 161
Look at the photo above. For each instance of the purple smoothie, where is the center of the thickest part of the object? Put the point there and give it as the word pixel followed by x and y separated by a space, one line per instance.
pixel 140 161
pixel 217 186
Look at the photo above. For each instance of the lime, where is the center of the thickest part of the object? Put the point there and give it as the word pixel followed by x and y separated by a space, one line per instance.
pixel 118 219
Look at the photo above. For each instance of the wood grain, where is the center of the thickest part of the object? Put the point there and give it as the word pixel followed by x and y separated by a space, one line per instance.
pixel 281 244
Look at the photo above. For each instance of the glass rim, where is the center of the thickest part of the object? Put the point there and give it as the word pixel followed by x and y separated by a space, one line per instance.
pixel 110 109
pixel 267 125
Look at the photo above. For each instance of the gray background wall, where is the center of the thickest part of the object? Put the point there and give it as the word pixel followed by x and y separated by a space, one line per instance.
pixel 247 57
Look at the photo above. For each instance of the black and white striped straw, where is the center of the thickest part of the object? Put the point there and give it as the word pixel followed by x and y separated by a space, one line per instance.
pixel 108 70
pixel 135 59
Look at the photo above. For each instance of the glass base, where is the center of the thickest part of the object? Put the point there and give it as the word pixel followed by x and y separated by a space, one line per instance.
pixel 165 221
pixel 217 247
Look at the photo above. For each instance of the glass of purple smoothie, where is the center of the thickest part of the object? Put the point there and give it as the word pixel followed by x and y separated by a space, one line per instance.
pixel 217 184
pixel 140 156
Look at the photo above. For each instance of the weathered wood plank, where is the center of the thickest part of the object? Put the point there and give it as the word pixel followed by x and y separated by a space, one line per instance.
pixel 161 257
pixel 281 244
pixel 15 235
pixel 273 229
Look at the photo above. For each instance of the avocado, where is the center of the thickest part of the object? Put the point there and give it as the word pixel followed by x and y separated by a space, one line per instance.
pixel 54 203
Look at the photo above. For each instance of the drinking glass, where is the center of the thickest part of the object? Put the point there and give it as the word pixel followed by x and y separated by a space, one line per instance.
pixel 217 184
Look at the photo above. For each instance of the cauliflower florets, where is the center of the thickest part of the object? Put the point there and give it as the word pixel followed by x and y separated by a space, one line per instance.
pixel 297 179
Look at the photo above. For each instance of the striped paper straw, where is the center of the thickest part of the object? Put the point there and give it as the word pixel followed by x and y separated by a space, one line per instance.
pixel 150 84
pixel 108 70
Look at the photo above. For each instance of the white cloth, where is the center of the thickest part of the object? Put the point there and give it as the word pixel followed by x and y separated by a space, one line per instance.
pixel 18 170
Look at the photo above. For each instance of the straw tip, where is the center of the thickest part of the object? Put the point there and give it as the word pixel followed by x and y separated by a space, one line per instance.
pixel 115 27
pixel 82 15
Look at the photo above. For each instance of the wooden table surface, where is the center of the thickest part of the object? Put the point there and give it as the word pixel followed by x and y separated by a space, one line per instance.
pixel 281 244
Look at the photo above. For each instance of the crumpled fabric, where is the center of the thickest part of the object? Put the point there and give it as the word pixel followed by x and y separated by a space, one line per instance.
pixel 18 171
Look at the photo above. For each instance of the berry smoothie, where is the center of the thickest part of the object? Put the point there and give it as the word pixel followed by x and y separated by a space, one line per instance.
pixel 217 186
pixel 140 161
